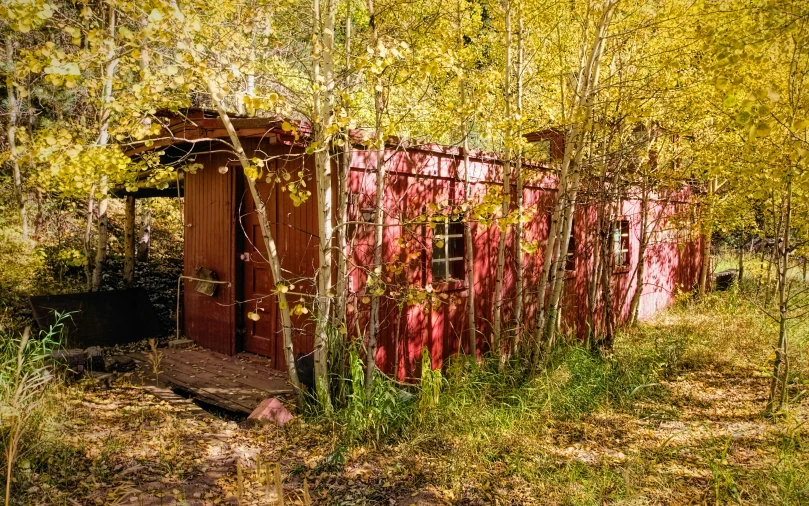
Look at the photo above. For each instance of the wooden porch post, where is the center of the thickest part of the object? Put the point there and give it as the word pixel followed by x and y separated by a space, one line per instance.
pixel 129 241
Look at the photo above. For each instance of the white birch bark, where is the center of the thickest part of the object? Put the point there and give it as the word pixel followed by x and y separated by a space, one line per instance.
pixel 506 202
pixel 379 211
pixel 575 140
pixel 103 139
pixel 324 112
pixel 518 176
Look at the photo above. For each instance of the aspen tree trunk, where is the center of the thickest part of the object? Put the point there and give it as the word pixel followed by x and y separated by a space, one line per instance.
pixel 706 245
pixel 470 244
pixel 634 305
pixel 379 212
pixel 594 276
pixel 518 253
pixel 269 243
pixel 741 259
pixel 469 240
pixel 87 234
pixel 599 262
pixel 551 245
pixel 344 170
pixel 611 207
pixel 145 241
pixel 13 118
pixel 324 112
pixel 567 199
pixel 103 139
pixel 606 285
pixel 497 346
pixel 780 375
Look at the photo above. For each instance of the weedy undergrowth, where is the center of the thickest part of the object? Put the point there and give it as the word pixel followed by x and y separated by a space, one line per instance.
pixel 25 377
pixel 375 415
pixel 155 357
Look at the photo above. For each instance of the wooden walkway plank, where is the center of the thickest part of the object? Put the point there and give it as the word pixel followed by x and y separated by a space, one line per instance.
pixel 236 384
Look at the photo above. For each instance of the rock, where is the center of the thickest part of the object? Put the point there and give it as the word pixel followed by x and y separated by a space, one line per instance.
pixel 270 410
pixel 725 279
pixel 72 359
pixel 119 363
pixel 180 344
pixel 95 359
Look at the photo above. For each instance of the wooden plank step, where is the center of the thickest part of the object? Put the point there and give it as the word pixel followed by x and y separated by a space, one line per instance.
pixel 217 379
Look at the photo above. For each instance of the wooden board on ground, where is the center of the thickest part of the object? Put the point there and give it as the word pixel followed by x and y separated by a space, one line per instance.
pixel 237 383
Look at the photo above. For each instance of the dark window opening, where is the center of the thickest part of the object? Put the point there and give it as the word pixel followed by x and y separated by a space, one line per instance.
pixel 570 259
pixel 448 250
pixel 620 243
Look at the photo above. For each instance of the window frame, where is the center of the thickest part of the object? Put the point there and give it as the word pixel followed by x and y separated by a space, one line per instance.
pixel 445 281
pixel 624 244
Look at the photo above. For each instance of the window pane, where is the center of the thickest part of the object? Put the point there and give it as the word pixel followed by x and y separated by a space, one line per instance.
pixel 439 270
pixel 456 228
pixel 456 247
pixel 456 269
pixel 439 251
pixel 440 229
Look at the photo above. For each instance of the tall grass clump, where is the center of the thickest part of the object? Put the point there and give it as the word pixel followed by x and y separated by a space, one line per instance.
pixel 25 377
pixel 376 414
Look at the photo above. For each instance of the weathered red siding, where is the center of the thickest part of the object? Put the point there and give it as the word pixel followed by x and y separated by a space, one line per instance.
pixel 217 207
pixel 419 177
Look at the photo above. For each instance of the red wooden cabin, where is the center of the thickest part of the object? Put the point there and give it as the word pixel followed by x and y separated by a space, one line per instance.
pixel 222 235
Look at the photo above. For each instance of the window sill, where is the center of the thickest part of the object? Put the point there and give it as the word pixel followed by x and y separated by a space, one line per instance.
pixel 449 286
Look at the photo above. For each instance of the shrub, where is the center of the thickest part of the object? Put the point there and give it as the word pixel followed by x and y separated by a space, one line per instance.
pixel 24 380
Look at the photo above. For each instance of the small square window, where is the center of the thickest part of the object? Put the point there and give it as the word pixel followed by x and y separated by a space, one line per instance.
pixel 620 243
pixel 448 250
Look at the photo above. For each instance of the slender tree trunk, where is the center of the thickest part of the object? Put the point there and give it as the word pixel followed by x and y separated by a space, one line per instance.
pixel 741 259
pixel 87 235
pixel 339 318
pixel 519 302
pixel 323 98
pixel 497 346
pixel 269 243
pixel 103 139
pixel 13 118
pixel 606 286
pixel 780 376
pixel 634 305
pixel 548 311
pixel 569 189
pixel 706 245
pixel 470 246
pixel 594 277
pixel 469 239
pixel 145 241
pixel 379 212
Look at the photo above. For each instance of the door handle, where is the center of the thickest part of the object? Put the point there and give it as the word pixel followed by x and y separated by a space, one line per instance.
pixel 245 256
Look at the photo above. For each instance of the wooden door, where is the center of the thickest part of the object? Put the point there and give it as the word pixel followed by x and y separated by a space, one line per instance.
pixel 261 335
pixel 295 231
pixel 298 244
